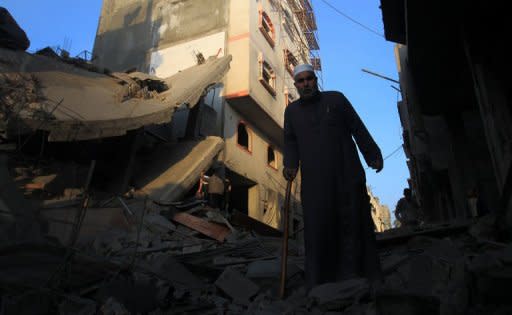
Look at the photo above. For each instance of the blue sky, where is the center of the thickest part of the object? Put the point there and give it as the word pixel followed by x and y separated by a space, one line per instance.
pixel 345 49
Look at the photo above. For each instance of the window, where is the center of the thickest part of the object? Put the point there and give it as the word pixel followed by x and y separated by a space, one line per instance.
pixel 288 96
pixel 243 137
pixel 267 28
pixel 289 61
pixel 271 158
pixel 267 76
pixel 269 202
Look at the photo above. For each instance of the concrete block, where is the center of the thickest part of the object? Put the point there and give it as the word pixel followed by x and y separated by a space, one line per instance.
pixel 238 287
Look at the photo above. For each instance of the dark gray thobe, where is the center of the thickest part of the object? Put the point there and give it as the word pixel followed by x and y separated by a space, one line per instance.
pixel 339 237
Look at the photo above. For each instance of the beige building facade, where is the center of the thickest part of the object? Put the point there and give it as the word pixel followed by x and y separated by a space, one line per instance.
pixel 380 213
pixel 265 38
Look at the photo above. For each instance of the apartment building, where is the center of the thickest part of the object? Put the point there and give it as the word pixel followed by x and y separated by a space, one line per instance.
pixel 266 39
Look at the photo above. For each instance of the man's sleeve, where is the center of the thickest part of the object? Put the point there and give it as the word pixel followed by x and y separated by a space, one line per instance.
pixel 364 140
pixel 291 151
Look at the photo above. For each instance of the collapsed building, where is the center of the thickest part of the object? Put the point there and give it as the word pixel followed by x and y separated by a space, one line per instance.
pixel 266 40
pixel 76 120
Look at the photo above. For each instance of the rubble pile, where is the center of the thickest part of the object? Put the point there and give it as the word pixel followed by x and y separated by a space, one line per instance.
pixel 137 256
pixel 18 93
pixel 110 253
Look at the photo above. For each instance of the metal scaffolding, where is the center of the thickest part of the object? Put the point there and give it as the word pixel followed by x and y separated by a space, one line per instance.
pixel 297 21
pixel 309 47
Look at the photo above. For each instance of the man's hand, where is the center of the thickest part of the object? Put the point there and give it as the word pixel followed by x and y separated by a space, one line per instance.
pixel 289 173
pixel 377 165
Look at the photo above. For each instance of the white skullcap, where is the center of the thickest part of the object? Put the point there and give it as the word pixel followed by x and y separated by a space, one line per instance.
pixel 302 68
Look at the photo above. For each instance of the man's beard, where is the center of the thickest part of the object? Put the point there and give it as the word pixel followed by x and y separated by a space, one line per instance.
pixel 307 93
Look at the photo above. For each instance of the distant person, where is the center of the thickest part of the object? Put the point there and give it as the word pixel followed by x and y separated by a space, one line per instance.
pixel 475 203
pixel 407 210
pixel 202 189
pixel 319 133
pixel 216 187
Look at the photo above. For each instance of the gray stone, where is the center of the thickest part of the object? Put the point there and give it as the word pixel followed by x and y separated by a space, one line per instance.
pixel 238 287
pixel 113 307
pixel 339 294
pixel 77 306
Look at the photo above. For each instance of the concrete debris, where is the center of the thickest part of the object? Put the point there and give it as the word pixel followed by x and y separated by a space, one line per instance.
pixel 333 296
pixel 136 254
pixel 71 104
pixel 96 221
pixel 158 223
pixel 235 285
pixel 113 307
pixel 147 268
pixel 172 170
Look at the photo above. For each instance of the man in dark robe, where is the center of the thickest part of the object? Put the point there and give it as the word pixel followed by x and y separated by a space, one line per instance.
pixel 319 129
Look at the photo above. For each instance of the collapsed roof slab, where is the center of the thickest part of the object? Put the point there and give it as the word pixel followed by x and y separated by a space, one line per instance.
pixel 74 104
pixel 176 168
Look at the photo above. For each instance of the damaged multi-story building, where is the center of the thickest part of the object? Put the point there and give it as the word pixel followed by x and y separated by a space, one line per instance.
pixel 380 213
pixel 266 39
pixel 455 107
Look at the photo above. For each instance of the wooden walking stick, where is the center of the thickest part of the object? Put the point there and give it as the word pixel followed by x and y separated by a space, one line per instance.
pixel 284 256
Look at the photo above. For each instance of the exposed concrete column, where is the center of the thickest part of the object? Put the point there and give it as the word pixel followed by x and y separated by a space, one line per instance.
pixel 493 100
pixel 461 170
pixel 426 190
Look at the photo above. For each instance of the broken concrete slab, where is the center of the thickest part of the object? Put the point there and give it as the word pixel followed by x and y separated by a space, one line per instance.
pixel 75 104
pixel 174 169
pixel 60 222
pixel 340 294
pixel 158 223
pixel 398 236
pixel 391 262
pixel 270 269
pixel 168 268
pixel 238 287
pixel 252 224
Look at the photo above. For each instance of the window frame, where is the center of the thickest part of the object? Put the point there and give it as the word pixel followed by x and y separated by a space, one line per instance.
pixel 247 149
pixel 274 167
pixel 269 86
pixel 286 57
pixel 287 98
pixel 266 26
